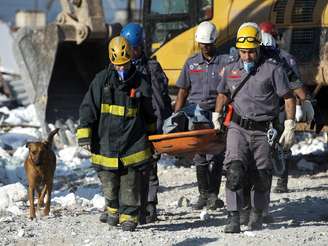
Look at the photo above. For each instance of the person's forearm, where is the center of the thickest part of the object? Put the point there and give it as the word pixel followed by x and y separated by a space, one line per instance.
pixel 181 99
pixel 221 100
pixel 301 94
pixel 290 104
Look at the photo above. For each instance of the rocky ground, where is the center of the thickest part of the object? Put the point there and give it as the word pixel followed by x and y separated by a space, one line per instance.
pixel 301 218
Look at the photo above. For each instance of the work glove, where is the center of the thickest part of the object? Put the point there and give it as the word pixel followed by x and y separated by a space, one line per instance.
pixel 308 111
pixel 85 151
pixel 299 113
pixel 287 137
pixel 87 147
pixel 217 120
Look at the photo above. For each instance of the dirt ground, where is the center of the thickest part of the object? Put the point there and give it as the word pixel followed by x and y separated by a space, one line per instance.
pixel 301 218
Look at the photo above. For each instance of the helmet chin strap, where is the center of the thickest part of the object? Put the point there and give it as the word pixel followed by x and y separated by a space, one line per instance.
pixel 258 55
pixel 129 75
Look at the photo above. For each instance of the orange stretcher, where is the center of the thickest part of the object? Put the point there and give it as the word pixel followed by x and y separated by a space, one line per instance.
pixel 207 141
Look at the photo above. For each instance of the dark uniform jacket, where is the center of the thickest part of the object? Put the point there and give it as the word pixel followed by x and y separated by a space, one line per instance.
pixel 114 118
pixel 258 99
pixel 201 78
pixel 159 84
pixel 287 61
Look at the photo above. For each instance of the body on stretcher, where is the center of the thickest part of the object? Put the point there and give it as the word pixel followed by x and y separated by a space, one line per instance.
pixel 191 135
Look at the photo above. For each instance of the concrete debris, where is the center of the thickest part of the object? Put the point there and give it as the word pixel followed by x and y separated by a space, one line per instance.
pixel 204 215
pixel 183 202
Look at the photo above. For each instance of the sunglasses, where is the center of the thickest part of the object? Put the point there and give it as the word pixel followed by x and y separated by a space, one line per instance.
pixel 248 39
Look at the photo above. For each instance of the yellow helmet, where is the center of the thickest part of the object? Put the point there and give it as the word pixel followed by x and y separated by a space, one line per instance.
pixel 119 51
pixel 248 37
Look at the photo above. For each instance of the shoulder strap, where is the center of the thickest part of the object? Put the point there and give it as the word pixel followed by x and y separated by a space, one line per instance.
pixel 240 86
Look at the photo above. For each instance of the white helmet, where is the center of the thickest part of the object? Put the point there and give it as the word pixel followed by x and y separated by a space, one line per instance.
pixel 253 24
pixel 206 33
pixel 268 40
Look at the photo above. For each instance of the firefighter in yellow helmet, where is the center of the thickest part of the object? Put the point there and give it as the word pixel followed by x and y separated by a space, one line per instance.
pixel 248 36
pixel 116 115
pixel 255 85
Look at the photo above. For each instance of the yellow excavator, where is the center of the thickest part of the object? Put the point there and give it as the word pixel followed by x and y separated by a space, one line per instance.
pixel 59 61
pixel 302 27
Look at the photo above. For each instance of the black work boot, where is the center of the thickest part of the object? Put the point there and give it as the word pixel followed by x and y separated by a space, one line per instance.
pixel 103 217
pixel 282 181
pixel 142 219
pixel 244 216
pixel 214 178
pixel 255 220
pixel 233 225
pixel 112 216
pixel 202 182
pixel 201 202
pixel 213 202
pixel 129 226
pixel 151 213
pixel 281 185
pixel 112 219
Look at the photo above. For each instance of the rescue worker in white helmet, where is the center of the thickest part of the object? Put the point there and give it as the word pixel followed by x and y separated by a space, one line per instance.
pixel 114 117
pixel 197 85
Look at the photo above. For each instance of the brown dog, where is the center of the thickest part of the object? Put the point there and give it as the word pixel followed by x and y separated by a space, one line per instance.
pixel 40 168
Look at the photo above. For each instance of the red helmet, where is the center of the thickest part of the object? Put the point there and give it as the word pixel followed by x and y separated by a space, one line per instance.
pixel 269 27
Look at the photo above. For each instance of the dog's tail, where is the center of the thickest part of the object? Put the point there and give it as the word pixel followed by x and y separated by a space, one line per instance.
pixel 51 136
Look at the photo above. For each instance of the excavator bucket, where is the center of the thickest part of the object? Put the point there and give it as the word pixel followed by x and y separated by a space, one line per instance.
pixel 57 73
pixel 59 61
pixel 35 52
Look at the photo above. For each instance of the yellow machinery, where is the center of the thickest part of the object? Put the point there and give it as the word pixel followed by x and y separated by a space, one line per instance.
pixel 170 28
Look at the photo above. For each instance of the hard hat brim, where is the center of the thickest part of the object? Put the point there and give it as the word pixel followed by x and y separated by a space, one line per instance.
pixel 247 45
pixel 121 63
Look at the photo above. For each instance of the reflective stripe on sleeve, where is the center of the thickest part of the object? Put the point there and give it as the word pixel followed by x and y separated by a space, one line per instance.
pixel 83 133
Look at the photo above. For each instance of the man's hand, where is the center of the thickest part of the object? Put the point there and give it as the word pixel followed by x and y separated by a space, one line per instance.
pixel 308 111
pixel 84 151
pixel 87 147
pixel 298 113
pixel 217 120
pixel 287 137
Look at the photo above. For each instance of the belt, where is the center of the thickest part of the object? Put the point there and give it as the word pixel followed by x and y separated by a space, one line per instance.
pixel 249 124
